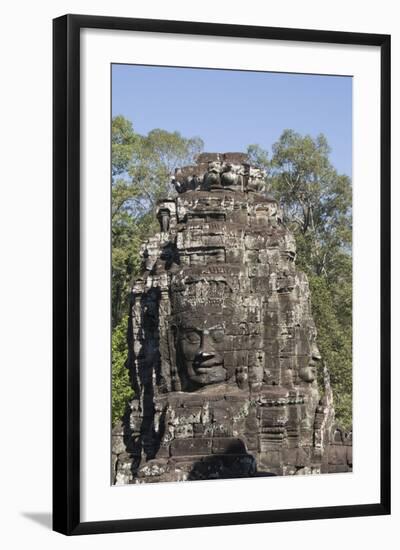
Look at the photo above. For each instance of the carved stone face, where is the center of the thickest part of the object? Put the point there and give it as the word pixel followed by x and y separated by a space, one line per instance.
pixel 309 373
pixel 199 347
pixel 215 167
pixel 230 175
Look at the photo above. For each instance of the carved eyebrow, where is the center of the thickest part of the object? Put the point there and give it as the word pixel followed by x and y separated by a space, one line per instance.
pixel 201 329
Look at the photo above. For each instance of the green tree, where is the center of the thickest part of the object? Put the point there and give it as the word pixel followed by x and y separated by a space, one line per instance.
pixel 125 232
pixel 123 141
pixel 121 387
pixel 154 161
pixel 316 200
pixel 335 345
pixel 316 204
pixel 142 167
pixel 259 158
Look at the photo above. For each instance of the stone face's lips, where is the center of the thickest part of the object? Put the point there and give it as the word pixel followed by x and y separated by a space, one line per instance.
pixel 207 364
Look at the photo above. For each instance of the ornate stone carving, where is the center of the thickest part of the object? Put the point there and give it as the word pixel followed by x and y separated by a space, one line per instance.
pixel 223 354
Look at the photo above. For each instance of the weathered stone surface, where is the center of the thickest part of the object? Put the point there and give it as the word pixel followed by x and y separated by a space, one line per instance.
pixel 222 343
pixel 191 446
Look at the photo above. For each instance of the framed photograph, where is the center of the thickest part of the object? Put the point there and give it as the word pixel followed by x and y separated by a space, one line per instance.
pixel 221 274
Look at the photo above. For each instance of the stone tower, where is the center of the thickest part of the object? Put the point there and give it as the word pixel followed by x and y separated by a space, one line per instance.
pixel 223 354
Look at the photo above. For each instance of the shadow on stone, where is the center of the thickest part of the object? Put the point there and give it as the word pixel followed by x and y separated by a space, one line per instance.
pixel 234 462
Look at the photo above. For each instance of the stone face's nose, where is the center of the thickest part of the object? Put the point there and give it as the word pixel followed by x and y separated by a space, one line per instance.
pixel 206 343
pixel 315 354
pixel 206 354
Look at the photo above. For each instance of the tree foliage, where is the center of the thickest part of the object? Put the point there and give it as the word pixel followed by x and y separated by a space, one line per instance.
pixel 121 388
pixel 142 167
pixel 335 344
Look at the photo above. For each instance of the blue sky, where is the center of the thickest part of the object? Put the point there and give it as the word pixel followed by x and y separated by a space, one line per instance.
pixel 230 110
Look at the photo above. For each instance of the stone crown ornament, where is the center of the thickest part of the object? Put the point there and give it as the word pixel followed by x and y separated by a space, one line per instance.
pixel 222 344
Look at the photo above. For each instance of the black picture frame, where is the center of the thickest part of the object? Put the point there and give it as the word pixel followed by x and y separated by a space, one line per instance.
pixel 66 272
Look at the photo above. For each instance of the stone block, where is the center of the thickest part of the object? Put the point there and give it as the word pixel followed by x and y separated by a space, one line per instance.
pixel 189 447
pixel 349 455
pixel 337 454
pixel 183 431
pixel 236 158
pixel 208 157
pixel 228 445
pixel 118 445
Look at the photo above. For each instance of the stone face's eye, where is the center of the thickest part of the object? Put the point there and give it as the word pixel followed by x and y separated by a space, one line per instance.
pixel 217 335
pixel 192 337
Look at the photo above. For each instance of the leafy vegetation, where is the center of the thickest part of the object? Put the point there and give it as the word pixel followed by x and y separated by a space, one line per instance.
pixel 141 173
pixel 121 388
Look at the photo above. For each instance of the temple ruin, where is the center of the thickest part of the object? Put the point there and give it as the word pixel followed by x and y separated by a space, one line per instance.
pixel 222 343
